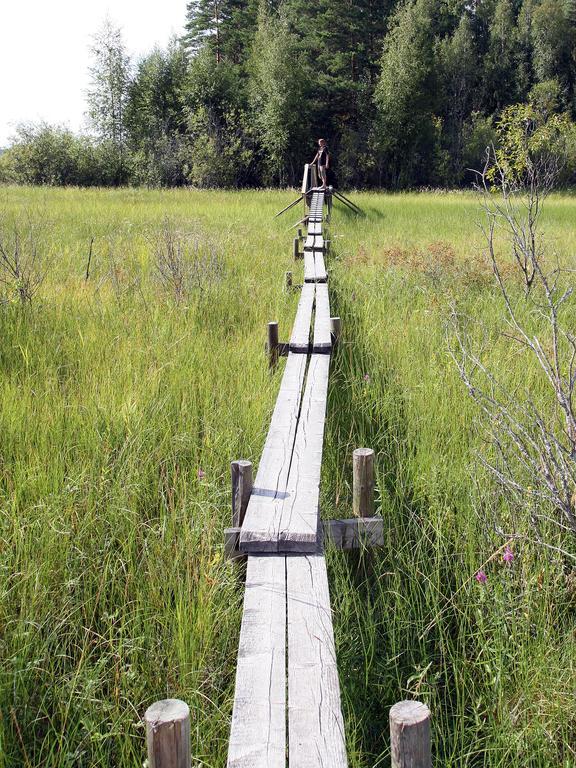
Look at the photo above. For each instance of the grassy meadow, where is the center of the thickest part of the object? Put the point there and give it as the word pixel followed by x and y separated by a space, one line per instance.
pixel 124 398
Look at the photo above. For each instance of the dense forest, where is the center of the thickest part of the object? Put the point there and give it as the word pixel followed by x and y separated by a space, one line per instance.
pixel 408 94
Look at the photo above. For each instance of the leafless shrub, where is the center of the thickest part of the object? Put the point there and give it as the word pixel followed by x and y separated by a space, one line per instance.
pixel 24 260
pixel 185 262
pixel 533 435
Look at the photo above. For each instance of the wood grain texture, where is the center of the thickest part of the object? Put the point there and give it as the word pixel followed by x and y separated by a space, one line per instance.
pixel 242 483
pixel 168 734
pixel 309 267
pixel 258 732
pixel 320 267
pixel 322 342
pixel 315 723
pixel 315 228
pixel 260 528
pixel 363 482
pixel 306 179
pixel 309 242
pixel 410 735
pixel 298 529
pixel 300 338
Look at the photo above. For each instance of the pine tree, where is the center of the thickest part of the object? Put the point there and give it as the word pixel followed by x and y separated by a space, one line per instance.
pixel 227 27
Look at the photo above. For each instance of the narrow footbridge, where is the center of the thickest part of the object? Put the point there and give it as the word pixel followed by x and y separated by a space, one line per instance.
pixel 287 711
pixel 287 701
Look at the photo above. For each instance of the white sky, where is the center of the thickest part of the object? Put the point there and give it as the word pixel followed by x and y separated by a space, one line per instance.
pixel 44 54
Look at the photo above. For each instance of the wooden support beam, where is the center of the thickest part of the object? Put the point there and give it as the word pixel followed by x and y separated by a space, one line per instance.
pixel 335 329
pixel 168 734
pixel 292 204
pixel 355 533
pixel 363 482
pixel 347 534
pixel 241 472
pixel 410 735
pixel 296 248
pixel 272 344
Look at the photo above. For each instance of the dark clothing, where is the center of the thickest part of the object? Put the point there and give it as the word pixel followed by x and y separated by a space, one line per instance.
pixel 322 156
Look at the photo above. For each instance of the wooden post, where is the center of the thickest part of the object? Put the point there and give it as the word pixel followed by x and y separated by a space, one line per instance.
pixel 296 248
pixel 168 734
pixel 272 345
pixel 363 482
pixel 299 234
pixel 335 329
pixel 410 735
pixel 288 281
pixel 242 484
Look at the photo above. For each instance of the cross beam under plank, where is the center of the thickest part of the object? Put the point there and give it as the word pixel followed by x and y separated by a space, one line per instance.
pixel 260 529
pixel 258 732
pixel 315 723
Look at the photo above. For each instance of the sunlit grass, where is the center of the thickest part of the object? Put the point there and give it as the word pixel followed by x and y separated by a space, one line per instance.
pixel 120 410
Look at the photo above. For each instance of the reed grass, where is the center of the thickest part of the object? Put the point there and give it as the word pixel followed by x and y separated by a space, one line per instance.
pixel 120 410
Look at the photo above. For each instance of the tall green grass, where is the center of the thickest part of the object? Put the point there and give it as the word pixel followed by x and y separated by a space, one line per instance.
pixel 120 410
pixel 494 661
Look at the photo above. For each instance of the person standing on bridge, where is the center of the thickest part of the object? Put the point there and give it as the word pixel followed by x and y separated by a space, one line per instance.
pixel 322 158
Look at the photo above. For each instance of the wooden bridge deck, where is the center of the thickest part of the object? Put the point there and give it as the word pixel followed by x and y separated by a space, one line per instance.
pixel 287 700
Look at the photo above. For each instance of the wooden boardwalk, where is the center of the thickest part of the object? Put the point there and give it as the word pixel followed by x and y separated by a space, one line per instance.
pixel 287 711
pixel 287 700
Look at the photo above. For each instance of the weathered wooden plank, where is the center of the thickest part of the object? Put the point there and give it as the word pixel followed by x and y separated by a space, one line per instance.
pixel 309 243
pixel 258 732
pixel 260 528
pixel 300 338
pixel 314 243
pixel 309 267
pixel 315 723
pixel 298 529
pixel 322 337
pixel 306 178
pixel 319 267
pixel 315 228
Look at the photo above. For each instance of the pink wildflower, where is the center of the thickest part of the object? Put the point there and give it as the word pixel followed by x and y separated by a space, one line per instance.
pixel 201 474
pixel 481 577
pixel 367 378
pixel 508 555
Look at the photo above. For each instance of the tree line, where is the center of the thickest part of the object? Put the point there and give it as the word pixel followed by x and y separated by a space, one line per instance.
pixel 408 93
